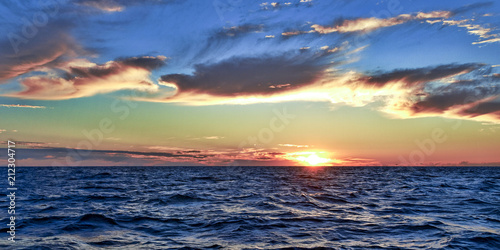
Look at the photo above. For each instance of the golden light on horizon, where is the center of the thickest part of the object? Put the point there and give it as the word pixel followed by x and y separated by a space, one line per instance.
pixel 310 158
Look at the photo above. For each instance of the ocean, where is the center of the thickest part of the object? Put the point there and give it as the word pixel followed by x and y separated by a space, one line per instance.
pixel 255 208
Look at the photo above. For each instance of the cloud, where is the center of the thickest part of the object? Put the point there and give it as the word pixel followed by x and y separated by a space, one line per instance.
pixel 467 91
pixel 223 39
pixel 81 78
pixel 492 40
pixel 438 102
pixel 268 6
pixel 239 76
pixel 235 31
pixel 373 23
pixel 369 24
pixel 50 47
pixel 32 144
pixel 433 14
pixel 206 157
pixel 104 5
pixel 483 108
pixel 179 154
pixel 294 33
pixel 411 77
pixel 472 7
pixel 361 24
pixel 117 5
pixel 46 156
pixel 272 6
pixel 213 137
pixel 473 29
pixel 293 145
pixel 22 106
pixel 454 91
pixel 449 90
pixel 52 156
pixel 145 62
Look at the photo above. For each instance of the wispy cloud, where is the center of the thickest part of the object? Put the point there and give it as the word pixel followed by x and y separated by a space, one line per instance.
pixel 293 145
pixel 482 32
pixel 277 5
pixel 373 23
pixel 369 24
pixel 47 49
pixel 213 137
pixel 33 144
pixel 492 40
pixel 22 106
pixel 294 33
pixel 234 31
pixel 117 5
pixel 104 5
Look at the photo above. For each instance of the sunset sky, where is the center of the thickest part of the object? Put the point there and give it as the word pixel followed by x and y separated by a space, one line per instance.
pixel 233 82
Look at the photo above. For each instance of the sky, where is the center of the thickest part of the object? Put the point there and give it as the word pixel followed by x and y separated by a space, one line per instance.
pixel 244 83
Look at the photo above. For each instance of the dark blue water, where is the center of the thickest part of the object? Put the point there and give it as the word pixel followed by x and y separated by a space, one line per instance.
pixel 256 207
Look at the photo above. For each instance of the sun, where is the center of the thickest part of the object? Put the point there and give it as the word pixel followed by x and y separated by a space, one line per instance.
pixel 309 158
pixel 313 160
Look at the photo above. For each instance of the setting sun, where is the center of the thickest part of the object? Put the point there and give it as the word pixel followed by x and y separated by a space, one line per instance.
pixel 313 160
pixel 309 158
pixel 250 124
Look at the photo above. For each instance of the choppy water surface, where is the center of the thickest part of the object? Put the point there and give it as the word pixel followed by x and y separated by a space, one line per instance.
pixel 257 207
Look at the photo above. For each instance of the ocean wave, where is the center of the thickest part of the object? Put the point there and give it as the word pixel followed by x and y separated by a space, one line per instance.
pixel 259 207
